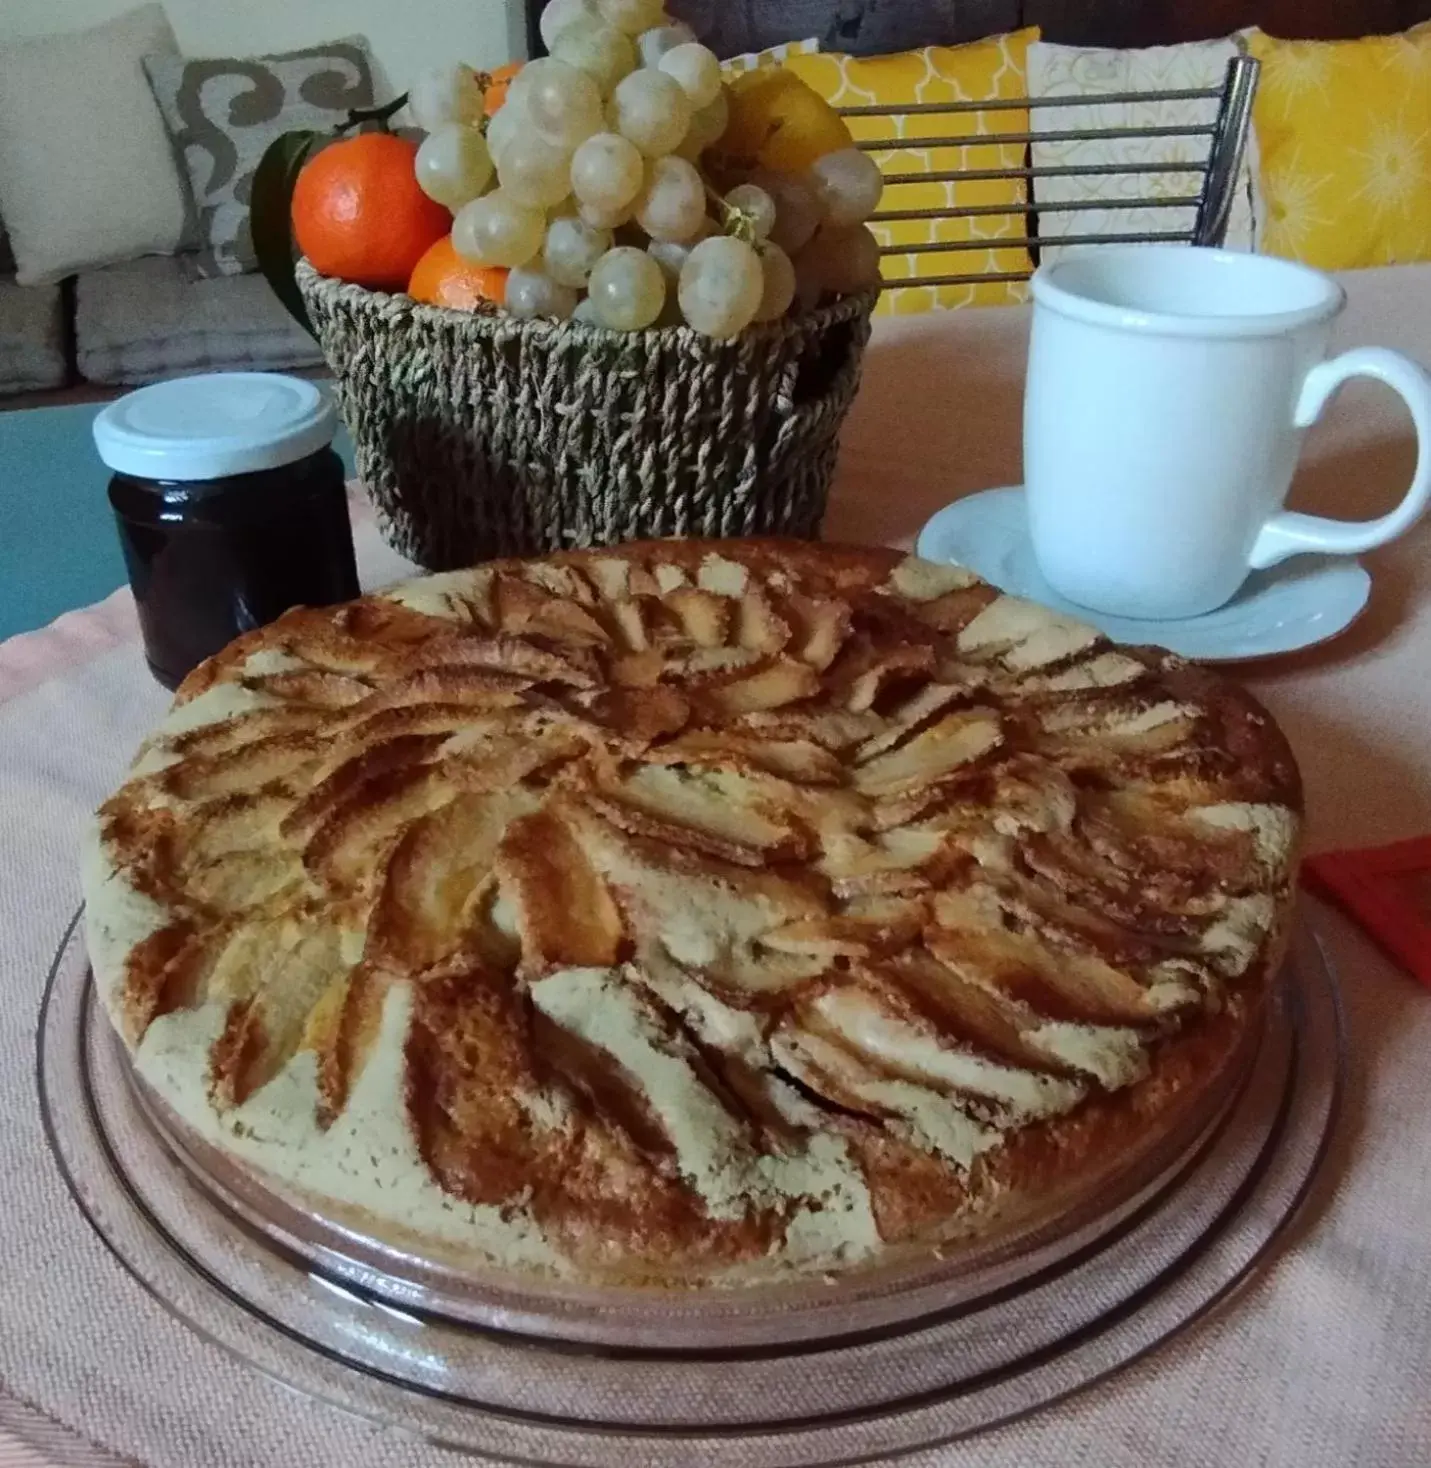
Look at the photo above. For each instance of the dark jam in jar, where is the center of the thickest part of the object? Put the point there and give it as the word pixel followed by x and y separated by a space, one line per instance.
pixel 231 509
pixel 209 561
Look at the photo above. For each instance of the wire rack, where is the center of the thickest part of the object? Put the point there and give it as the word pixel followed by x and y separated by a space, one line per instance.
pixel 1211 177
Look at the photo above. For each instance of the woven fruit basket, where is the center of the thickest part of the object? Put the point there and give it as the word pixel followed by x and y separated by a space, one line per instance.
pixel 480 435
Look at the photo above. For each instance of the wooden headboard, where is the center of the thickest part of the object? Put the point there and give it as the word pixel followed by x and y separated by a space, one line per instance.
pixel 891 24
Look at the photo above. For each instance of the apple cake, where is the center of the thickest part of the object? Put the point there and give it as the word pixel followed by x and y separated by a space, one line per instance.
pixel 690 912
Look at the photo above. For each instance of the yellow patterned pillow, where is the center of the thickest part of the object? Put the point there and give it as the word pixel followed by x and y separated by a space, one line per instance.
pixel 981 71
pixel 1344 129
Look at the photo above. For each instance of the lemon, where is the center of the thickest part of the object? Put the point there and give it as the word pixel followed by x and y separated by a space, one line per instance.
pixel 780 122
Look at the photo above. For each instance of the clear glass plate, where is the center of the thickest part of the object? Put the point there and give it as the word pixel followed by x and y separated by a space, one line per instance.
pixel 891 1364
pixel 917 1283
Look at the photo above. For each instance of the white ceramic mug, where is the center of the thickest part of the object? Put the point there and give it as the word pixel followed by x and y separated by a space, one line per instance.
pixel 1168 391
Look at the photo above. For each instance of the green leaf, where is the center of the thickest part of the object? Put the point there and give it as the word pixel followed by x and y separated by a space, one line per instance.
pixel 271 219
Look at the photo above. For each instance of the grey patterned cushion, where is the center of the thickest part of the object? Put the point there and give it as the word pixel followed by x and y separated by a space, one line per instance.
pixel 222 113
pixel 142 320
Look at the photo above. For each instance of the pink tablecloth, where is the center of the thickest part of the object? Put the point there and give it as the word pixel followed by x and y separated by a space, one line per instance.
pixel 1320 1364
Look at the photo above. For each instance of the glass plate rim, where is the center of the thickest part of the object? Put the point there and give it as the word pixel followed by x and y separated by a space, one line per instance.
pixel 1323 974
pixel 1143 1204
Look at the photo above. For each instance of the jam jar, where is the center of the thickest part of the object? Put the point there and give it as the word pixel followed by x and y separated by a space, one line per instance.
pixel 231 508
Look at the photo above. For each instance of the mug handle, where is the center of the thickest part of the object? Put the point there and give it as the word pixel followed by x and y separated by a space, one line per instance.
pixel 1292 534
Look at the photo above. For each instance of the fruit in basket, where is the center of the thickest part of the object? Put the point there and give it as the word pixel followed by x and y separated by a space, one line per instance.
pixel 498 230
pixel 608 219
pixel 534 172
pixel 848 184
pixel 607 172
pixel 777 121
pixel 755 205
pixel 503 128
pixel 444 278
pixel 652 45
pixel 631 16
pixel 571 250
pixel 839 260
pixel 671 256
pixel 498 83
pixel 560 15
pixel 628 180
pixel 798 210
pixel 597 49
pixel 721 286
pixel 627 289
pixel 359 213
pixel 562 103
pixel 454 165
pixel 650 109
pixel 778 288
pixel 532 292
pixel 696 70
pixel 627 135
pixel 708 125
pixel 444 94
pixel 672 206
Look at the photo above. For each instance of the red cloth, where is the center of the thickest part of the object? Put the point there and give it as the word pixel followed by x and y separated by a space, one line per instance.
pixel 1375 887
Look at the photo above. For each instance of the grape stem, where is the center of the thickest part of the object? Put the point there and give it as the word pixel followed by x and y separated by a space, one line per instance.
pixel 733 221
pixel 485 82
pixel 357 116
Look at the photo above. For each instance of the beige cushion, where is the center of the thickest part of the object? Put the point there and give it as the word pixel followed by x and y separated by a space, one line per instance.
pixel 222 114
pixel 143 319
pixel 1070 71
pixel 86 175
pixel 32 340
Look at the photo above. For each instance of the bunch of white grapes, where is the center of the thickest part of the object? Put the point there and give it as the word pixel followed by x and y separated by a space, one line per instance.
pixel 587 184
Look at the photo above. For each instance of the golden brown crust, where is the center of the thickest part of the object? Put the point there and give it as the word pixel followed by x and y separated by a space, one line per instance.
pixel 741 891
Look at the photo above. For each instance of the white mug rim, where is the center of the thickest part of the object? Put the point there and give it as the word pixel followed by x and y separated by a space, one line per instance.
pixel 1067 302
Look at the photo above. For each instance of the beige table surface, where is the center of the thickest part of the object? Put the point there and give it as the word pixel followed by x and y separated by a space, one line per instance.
pixel 1323 1362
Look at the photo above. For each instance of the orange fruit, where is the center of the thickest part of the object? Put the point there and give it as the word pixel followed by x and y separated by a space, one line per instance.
pixel 358 213
pixel 444 278
pixel 496 93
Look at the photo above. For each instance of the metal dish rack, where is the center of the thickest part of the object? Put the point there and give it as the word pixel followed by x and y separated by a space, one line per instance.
pixel 1211 187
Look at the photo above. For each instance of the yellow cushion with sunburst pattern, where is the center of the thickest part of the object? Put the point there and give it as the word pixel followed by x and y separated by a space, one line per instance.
pixel 1344 129
pixel 983 71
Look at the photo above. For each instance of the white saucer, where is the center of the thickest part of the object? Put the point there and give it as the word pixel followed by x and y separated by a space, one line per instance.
pixel 1298 604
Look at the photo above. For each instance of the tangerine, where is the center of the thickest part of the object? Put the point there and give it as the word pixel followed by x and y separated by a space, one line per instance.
pixel 359 215
pixel 496 93
pixel 444 278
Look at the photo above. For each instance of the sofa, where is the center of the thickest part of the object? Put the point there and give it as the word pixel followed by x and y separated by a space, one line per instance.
pixel 146 317
pixel 139 321
pixel 32 337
